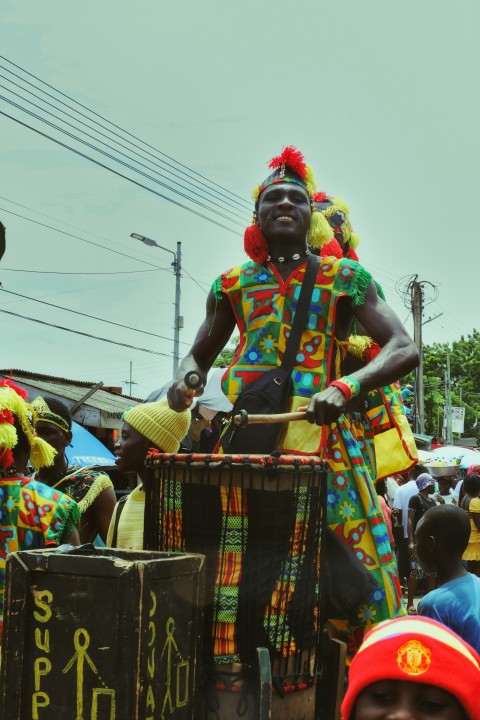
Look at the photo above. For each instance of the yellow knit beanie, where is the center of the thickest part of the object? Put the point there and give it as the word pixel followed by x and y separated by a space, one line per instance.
pixel 163 426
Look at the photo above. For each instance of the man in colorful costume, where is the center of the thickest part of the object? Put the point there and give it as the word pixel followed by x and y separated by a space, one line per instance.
pixel 395 449
pixel 32 515
pixel 259 297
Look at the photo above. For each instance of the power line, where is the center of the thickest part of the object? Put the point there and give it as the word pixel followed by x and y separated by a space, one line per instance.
pixel 91 317
pixel 77 237
pixel 125 132
pixel 84 334
pixel 63 232
pixel 60 272
pixel 189 188
pixel 112 157
pixel 119 174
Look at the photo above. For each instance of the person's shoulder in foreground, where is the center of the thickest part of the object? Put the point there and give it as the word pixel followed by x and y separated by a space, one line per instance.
pixel 413 668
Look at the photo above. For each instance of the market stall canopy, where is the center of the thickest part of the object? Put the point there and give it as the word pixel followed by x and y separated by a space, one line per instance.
pixel 86 449
pixel 103 408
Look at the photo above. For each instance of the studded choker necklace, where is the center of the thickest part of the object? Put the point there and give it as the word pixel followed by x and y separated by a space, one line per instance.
pixel 296 256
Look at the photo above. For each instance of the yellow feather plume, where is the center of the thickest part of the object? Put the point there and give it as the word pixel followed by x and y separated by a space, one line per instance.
pixel 320 231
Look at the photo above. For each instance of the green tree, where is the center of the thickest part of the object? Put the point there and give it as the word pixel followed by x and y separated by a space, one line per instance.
pixel 465 380
pixel 226 356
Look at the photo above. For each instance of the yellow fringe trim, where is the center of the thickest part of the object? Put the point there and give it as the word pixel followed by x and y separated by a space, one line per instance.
pixel 256 193
pixel 102 482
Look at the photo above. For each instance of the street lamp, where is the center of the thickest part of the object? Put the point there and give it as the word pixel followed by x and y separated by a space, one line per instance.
pixel 177 268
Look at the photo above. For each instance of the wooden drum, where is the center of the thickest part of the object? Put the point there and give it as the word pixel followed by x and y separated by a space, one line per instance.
pixel 257 519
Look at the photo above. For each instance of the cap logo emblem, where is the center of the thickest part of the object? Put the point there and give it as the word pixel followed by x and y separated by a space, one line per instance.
pixel 414 658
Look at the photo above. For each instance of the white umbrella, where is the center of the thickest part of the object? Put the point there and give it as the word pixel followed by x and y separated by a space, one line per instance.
pixel 455 454
pixel 424 456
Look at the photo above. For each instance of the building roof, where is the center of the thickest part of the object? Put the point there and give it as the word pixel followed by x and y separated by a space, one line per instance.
pixel 102 409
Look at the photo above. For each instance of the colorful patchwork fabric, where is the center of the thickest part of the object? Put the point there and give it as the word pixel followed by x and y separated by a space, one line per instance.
pixel 32 516
pixel 264 305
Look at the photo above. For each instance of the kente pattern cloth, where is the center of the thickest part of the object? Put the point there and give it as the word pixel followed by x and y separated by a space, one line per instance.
pixel 32 516
pixel 263 304
pixel 262 562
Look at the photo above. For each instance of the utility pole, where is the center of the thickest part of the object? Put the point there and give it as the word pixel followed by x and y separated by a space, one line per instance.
pixel 448 404
pixel 3 242
pixel 177 267
pixel 417 311
pixel 131 381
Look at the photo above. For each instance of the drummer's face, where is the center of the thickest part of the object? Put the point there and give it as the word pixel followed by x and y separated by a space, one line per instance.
pixel 131 449
pixel 284 212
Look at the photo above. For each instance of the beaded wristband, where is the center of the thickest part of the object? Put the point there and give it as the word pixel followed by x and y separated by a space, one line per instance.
pixel 348 385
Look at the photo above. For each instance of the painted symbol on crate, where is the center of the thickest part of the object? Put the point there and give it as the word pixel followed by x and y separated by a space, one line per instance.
pixel 177 672
pixel 81 643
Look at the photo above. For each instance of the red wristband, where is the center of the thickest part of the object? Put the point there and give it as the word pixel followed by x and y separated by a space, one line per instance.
pixel 346 389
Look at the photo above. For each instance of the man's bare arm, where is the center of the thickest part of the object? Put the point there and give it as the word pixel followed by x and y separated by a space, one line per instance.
pixel 398 356
pixel 211 338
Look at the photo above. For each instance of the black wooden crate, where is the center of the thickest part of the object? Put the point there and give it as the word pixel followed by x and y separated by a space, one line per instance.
pixel 110 636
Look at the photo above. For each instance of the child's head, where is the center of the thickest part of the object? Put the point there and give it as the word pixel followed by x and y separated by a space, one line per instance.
pixel 415 668
pixel 149 425
pixel 441 535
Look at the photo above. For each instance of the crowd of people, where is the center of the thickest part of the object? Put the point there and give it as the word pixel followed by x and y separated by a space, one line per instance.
pixel 344 385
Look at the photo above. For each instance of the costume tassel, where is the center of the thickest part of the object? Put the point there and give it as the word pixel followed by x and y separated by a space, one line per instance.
pixel 42 454
pixel 8 436
pixel 331 248
pixel 320 231
pixel 255 244
pixel 6 459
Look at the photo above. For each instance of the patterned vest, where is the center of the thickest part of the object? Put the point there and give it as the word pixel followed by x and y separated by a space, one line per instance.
pixel 264 306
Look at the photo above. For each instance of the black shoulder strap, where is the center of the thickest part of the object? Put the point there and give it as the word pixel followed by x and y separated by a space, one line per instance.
pixel 119 509
pixel 293 342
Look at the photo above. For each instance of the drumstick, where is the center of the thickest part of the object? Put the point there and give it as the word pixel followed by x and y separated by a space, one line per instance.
pixel 242 419
pixel 194 380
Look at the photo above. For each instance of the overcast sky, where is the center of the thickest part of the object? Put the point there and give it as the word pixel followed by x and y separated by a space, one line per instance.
pixel 381 97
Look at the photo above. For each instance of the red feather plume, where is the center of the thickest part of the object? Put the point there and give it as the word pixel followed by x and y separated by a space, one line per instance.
pixel 20 391
pixel 292 158
pixel 319 196
pixel 255 244
pixel 331 248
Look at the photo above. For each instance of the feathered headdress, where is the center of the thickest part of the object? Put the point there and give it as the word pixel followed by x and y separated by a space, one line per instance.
pixel 337 214
pixel 288 167
pixel 13 406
